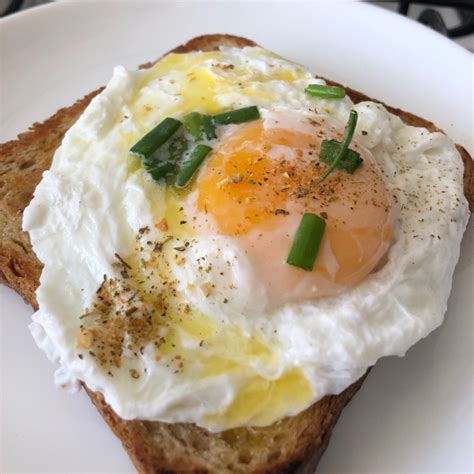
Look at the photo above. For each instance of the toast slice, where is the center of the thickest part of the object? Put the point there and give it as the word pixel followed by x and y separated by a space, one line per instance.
pixel 293 444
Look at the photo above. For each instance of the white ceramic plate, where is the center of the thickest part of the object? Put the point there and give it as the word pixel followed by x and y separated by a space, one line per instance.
pixel 412 414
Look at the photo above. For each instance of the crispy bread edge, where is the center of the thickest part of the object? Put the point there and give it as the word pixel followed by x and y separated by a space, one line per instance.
pixel 20 269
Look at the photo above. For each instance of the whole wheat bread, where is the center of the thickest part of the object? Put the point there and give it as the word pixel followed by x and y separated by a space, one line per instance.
pixel 293 444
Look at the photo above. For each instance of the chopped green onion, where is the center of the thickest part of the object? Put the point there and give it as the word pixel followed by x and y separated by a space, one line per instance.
pixel 349 162
pixel 177 148
pixel 161 166
pixel 306 242
pixel 189 167
pixel 162 170
pixel 245 114
pixel 193 122
pixel 155 138
pixel 208 127
pixel 199 124
pixel 326 92
pixel 348 134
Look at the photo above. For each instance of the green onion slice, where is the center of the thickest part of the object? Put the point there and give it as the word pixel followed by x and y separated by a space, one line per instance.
pixel 162 165
pixel 326 92
pixel 245 114
pixel 177 148
pixel 348 134
pixel 193 123
pixel 198 125
pixel 306 242
pixel 208 127
pixel 349 162
pixel 155 138
pixel 161 169
pixel 189 167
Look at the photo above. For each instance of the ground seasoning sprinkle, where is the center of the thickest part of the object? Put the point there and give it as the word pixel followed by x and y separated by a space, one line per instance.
pixel 118 320
pixel 122 261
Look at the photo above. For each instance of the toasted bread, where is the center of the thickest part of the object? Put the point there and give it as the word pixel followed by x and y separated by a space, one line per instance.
pixel 294 443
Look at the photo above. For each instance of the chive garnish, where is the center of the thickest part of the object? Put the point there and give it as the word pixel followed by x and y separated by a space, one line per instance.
pixel 348 134
pixel 193 123
pixel 208 127
pixel 177 148
pixel 246 114
pixel 155 138
pixel 326 92
pixel 306 242
pixel 161 169
pixel 198 125
pixel 349 162
pixel 159 166
pixel 189 167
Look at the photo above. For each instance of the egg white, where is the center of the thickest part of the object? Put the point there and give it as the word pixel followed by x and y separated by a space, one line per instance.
pixel 94 200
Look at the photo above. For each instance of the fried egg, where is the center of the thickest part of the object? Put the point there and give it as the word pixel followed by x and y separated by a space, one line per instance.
pixel 179 305
pixel 264 176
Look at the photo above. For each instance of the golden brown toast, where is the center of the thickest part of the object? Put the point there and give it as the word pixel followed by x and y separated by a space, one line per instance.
pixel 294 443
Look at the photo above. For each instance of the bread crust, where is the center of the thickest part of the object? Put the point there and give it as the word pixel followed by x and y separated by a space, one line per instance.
pixel 293 444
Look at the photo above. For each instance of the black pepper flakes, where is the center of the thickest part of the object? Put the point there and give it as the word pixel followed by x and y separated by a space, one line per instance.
pixel 280 212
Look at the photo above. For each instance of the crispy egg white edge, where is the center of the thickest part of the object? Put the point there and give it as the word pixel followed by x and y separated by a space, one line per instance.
pixel 334 340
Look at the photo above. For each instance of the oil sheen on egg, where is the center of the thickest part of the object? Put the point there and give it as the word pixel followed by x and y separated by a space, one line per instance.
pixel 178 305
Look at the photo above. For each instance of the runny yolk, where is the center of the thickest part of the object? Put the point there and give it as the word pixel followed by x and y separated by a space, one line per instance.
pixel 259 182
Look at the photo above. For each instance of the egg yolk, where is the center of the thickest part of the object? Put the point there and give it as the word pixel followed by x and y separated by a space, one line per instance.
pixel 259 181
